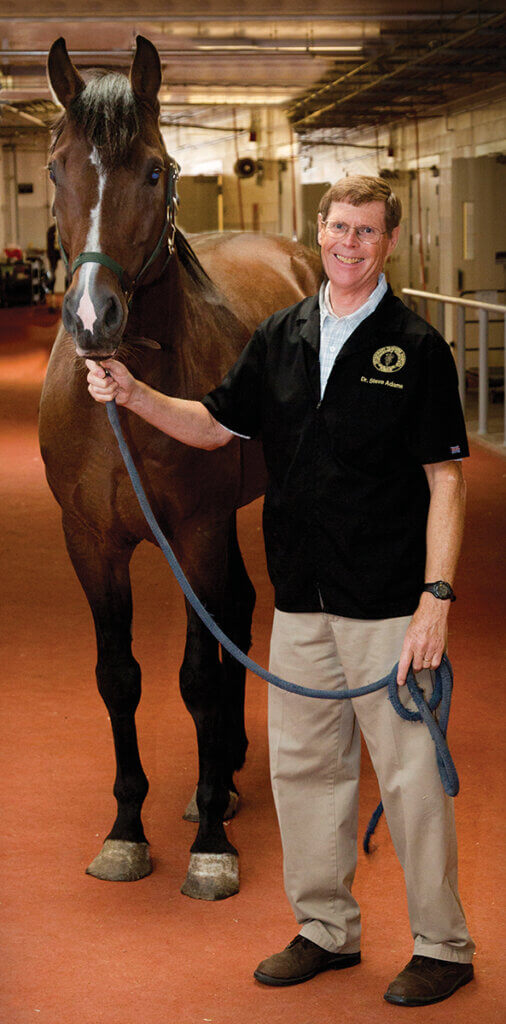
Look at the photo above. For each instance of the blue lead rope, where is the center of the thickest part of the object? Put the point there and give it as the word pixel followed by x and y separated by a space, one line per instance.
pixel 443 677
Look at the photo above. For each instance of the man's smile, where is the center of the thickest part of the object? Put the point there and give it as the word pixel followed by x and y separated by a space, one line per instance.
pixel 348 259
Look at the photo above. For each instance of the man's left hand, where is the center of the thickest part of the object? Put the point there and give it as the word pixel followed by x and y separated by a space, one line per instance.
pixel 425 640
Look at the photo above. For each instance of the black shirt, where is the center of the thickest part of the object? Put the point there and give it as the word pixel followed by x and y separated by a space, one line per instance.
pixel 346 505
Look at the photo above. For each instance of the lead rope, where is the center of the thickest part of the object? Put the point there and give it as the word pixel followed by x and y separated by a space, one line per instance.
pixel 443 685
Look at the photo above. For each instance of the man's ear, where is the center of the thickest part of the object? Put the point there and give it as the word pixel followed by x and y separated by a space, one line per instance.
pixel 392 241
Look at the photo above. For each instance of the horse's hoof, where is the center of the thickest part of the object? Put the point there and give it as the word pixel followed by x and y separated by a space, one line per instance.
pixel 121 861
pixel 212 876
pixel 192 811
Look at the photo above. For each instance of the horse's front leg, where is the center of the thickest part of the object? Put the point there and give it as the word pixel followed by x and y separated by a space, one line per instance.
pixel 213 872
pixel 237 611
pixel 104 576
pixel 213 692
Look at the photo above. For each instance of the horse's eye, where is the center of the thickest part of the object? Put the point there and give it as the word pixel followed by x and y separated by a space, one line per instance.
pixel 155 175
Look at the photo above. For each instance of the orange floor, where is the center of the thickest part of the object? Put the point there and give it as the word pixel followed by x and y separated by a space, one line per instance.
pixel 79 951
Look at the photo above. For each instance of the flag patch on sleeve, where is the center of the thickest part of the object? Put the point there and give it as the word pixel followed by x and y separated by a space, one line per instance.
pixel 455 449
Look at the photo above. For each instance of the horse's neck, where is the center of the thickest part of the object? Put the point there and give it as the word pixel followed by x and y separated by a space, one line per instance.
pixel 200 336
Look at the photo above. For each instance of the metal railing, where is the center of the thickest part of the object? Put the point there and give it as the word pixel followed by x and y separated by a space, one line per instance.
pixel 484 308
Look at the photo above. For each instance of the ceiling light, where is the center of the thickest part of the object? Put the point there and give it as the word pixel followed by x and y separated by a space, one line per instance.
pixel 278 46
pixel 228 96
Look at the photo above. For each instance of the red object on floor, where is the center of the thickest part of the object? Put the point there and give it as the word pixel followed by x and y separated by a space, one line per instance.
pixel 13 252
pixel 79 951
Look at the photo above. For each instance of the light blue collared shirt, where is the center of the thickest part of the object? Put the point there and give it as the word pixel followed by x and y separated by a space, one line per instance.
pixel 335 330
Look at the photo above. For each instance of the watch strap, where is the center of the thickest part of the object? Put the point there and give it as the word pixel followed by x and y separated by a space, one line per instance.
pixel 440 589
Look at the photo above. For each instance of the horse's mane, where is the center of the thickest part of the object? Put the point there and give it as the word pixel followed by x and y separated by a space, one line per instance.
pixel 192 264
pixel 108 114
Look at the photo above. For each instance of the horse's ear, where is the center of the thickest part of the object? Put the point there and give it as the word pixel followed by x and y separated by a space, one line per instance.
pixel 146 73
pixel 64 80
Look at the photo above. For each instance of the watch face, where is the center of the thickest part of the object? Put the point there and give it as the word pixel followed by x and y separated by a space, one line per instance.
pixel 442 590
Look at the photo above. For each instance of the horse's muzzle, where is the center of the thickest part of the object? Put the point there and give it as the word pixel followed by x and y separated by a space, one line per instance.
pixel 97 326
pixel 97 357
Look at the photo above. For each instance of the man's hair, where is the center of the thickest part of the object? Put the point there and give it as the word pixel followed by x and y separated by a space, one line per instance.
pixel 363 188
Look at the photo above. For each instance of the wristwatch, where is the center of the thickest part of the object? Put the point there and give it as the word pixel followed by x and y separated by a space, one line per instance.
pixel 440 589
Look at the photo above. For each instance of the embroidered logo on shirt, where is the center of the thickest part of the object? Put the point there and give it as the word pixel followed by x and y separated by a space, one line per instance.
pixel 389 359
pixel 455 449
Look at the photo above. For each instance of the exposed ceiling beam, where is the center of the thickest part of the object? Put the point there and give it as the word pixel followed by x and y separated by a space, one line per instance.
pixel 493 20
pixel 22 115
pixel 410 59
pixel 428 55
pixel 342 16
pixel 204 50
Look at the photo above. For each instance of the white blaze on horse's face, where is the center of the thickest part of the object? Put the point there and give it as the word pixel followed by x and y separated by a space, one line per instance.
pixel 85 309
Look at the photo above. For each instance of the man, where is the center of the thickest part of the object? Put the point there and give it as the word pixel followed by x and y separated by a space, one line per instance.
pixel 356 402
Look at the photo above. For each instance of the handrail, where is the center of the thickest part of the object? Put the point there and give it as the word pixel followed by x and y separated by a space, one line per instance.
pixel 452 300
pixel 476 291
pixel 484 308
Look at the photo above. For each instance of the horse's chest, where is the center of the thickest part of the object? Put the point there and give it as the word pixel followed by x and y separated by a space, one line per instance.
pixel 88 478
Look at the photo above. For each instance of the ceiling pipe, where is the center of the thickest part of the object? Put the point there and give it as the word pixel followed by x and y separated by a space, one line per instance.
pixel 233 49
pixel 21 114
pixel 314 143
pixel 428 54
pixel 234 18
pixel 204 127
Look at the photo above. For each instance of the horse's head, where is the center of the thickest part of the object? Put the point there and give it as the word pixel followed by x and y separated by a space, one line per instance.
pixel 113 182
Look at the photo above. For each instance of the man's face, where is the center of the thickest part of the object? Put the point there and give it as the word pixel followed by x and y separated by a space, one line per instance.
pixel 352 265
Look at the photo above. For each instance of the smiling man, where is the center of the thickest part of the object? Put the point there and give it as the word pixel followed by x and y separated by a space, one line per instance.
pixel 355 399
pixel 355 244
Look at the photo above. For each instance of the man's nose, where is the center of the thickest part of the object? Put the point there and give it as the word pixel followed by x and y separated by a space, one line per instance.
pixel 350 238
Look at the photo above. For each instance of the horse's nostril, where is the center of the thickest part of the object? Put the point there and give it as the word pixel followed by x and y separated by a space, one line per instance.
pixel 68 313
pixel 113 314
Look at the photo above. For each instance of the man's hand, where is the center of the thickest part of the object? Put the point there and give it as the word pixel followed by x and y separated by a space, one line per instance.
pixel 184 419
pixel 117 383
pixel 425 640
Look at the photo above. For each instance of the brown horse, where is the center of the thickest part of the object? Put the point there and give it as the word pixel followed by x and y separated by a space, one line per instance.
pixel 180 331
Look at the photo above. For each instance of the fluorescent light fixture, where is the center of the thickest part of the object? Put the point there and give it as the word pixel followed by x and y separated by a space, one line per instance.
pixel 278 47
pixel 228 96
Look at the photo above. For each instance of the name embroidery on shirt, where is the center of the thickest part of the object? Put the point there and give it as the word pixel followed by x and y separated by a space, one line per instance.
pixel 384 383
pixel 389 359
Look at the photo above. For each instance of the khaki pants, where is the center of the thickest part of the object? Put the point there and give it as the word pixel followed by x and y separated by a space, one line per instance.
pixel 315 764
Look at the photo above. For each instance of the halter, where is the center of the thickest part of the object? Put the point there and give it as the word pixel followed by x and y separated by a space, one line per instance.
pixel 127 284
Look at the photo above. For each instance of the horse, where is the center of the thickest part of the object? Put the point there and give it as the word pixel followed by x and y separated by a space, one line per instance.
pixel 178 314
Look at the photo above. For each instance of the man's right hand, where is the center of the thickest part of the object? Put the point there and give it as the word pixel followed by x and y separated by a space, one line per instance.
pixel 186 420
pixel 117 383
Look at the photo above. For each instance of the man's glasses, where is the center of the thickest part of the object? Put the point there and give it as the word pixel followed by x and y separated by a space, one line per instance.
pixel 364 233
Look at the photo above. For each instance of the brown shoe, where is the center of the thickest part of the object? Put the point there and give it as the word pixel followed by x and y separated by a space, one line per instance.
pixel 300 961
pixel 427 980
